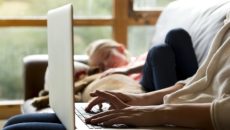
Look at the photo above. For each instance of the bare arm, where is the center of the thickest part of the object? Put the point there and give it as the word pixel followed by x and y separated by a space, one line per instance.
pixel 151 98
pixel 124 70
pixel 136 68
pixel 187 115
pixel 181 115
pixel 156 97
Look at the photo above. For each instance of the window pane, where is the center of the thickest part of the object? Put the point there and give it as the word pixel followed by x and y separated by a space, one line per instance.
pixel 92 8
pixel 85 35
pixel 139 39
pixel 149 4
pixel 82 8
pixel 17 42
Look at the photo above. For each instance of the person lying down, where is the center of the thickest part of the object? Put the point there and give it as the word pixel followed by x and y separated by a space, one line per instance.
pixel 116 59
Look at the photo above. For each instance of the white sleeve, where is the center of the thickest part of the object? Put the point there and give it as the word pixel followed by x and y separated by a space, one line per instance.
pixel 220 113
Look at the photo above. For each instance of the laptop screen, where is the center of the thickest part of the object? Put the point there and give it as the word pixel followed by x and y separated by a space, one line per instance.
pixel 60 63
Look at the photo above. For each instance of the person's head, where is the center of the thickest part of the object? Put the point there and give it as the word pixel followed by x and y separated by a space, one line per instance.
pixel 106 53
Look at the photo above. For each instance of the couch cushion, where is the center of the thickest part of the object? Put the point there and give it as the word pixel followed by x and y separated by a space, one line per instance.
pixel 27 108
pixel 201 18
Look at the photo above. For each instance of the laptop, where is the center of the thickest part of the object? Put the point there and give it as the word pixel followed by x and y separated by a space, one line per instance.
pixel 60 73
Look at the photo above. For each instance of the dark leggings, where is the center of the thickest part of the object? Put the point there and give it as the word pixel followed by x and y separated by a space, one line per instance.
pixel 45 121
pixel 167 63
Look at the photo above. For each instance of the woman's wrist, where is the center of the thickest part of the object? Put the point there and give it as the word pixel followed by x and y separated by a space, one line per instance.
pixel 180 115
pixel 156 97
pixel 163 111
pixel 152 98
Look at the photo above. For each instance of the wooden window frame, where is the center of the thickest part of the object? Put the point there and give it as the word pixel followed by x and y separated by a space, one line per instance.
pixel 9 108
pixel 123 17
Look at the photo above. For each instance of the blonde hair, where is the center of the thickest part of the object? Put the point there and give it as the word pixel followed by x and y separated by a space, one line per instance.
pixel 101 44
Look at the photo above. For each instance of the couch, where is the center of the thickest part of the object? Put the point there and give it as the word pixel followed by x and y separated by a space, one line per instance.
pixel 201 18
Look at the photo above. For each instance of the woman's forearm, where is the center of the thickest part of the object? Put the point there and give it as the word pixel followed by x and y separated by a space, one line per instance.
pixel 156 97
pixel 187 115
pixel 135 69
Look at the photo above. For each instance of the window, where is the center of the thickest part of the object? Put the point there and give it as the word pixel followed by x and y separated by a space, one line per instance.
pixel 82 8
pixel 23 31
pixel 140 33
pixel 139 39
pixel 21 38
pixel 15 44
pixel 149 5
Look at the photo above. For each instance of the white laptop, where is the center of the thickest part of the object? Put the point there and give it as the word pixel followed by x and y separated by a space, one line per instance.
pixel 60 77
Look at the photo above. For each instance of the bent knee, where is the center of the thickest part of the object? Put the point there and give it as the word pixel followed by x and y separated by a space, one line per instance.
pixel 161 51
pixel 177 35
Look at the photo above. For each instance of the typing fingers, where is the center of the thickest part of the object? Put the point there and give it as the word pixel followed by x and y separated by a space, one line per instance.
pixel 101 97
pixel 110 118
pixel 113 100
pixel 92 103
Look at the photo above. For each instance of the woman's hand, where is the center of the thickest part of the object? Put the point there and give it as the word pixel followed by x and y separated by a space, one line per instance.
pixel 126 114
pixel 166 114
pixel 141 116
pixel 125 100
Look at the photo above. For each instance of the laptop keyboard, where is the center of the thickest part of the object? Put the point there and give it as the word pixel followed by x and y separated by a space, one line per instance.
pixel 82 114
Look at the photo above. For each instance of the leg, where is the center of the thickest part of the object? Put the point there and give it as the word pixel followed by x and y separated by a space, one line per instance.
pixel 169 63
pixel 36 117
pixel 32 121
pixel 159 69
pixel 185 58
pixel 35 126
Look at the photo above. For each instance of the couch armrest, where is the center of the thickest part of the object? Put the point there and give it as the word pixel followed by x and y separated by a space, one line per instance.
pixel 34 67
pixel 33 74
